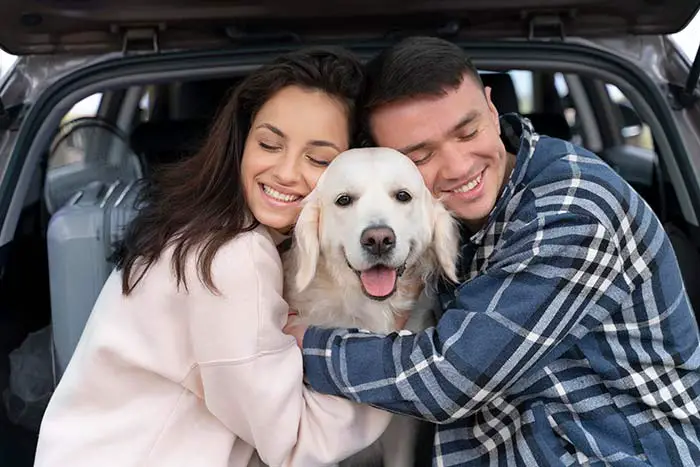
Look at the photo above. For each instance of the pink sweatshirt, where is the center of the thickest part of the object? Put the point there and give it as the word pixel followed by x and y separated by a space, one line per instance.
pixel 164 377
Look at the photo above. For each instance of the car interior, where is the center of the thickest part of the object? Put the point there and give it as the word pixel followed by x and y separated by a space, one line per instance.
pixel 47 291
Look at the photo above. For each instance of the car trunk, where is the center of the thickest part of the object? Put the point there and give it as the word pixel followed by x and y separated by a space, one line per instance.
pixel 98 26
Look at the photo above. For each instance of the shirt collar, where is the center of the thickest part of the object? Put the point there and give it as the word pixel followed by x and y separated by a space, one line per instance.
pixel 283 242
pixel 519 138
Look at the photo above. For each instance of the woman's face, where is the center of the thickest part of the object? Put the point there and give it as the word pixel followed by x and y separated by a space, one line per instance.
pixel 293 137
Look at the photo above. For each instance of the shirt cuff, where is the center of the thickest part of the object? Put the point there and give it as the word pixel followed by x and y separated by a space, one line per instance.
pixel 317 345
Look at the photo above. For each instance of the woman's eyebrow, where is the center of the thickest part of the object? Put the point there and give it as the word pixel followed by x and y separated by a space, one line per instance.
pixel 324 144
pixel 273 129
pixel 316 142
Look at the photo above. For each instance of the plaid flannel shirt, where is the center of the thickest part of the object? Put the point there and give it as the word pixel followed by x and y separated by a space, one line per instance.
pixel 571 340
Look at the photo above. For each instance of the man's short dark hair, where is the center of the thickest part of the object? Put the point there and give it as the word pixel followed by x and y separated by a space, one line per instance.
pixel 416 66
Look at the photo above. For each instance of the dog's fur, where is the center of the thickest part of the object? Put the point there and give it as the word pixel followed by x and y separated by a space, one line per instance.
pixel 322 268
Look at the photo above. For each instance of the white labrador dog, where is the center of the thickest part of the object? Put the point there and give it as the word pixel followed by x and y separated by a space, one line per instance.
pixel 369 236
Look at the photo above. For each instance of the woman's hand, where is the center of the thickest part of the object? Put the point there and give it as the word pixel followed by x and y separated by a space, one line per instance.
pixel 295 328
pixel 400 319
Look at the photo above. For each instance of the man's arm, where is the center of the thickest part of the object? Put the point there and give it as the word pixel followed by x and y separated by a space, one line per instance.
pixel 551 281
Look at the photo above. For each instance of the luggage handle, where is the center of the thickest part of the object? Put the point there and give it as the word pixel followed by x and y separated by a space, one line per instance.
pixel 89 193
pixel 107 205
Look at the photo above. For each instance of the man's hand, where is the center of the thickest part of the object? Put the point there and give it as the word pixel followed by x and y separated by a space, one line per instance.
pixel 295 328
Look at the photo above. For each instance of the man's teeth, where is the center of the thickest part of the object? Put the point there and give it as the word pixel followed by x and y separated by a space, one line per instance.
pixel 272 193
pixel 469 186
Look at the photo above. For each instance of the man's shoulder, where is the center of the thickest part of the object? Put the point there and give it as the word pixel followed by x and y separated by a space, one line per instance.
pixel 563 177
pixel 558 165
pixel 554 158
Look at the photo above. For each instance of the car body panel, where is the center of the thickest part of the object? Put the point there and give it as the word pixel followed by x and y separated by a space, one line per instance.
pixel 98 26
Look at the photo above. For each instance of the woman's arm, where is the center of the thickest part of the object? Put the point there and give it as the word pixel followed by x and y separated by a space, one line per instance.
pixel 252 373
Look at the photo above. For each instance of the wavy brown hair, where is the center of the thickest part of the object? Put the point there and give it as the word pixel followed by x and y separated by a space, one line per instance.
pixel 198 204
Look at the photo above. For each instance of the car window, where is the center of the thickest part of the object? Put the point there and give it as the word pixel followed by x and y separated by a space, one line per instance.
pixel 86 147
pixel 573 117
pixel 522 79
pixel 6 62
pixel 87 107
pixel 145 110
pixel 688 39
pixel 544 98
pixel 633 130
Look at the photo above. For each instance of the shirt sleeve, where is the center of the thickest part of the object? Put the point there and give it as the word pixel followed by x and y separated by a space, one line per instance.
pixel 259 395
pixel 548 284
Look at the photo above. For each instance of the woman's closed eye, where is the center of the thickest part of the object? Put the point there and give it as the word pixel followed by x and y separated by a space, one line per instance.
pixel 320 156
pixel 270 147
pixel 318 160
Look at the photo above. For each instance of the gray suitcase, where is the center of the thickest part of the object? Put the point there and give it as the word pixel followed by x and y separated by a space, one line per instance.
pixel 80 240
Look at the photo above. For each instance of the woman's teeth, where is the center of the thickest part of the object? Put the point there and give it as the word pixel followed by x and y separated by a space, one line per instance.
pixel 469 186
pixel 272 193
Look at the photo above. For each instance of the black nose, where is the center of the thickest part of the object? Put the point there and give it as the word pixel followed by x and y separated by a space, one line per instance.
pixel 378 241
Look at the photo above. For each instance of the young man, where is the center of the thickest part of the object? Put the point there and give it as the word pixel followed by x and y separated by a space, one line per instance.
pixel 571 339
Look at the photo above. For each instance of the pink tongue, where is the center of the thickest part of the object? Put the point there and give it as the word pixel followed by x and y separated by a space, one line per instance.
pixel 378 281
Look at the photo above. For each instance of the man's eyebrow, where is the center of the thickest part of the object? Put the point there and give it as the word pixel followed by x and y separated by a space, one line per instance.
pixel 467 119
pixel 324 144
pixel 413 147
pixel 273 129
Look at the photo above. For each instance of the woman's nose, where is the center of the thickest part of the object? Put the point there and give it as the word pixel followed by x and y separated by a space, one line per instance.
pixel 287 170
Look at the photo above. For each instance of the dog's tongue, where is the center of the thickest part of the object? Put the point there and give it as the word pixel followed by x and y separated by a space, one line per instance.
pixel 378 281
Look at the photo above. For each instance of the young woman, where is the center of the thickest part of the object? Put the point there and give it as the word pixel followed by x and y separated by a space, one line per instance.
pixel 183 361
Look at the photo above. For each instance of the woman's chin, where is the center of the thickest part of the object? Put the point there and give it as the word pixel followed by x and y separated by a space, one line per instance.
pixel 281 224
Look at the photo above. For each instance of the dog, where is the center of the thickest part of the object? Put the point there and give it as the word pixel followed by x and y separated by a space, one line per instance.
pixel 368 238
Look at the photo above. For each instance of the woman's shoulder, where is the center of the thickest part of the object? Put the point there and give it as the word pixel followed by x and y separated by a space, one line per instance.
pixel 251 253
pixel 248 254
pixel 255 245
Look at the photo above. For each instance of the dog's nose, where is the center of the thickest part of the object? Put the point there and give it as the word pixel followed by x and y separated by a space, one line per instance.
pixel 378 240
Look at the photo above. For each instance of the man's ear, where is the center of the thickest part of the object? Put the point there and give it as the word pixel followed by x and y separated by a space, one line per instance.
pixel 306 237
pixel 445 239
pixel 492 109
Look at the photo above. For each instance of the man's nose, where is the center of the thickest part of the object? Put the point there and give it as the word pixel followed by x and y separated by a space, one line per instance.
pixel 454 160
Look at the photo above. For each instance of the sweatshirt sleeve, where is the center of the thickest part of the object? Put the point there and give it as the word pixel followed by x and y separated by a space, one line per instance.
pixel 252 372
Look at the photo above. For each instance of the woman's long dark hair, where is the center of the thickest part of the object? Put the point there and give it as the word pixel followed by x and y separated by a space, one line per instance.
pixel 198 203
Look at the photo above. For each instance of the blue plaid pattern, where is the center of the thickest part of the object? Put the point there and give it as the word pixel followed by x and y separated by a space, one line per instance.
pixel 571 340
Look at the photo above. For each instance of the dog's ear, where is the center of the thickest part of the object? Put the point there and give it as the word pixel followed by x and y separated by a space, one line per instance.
pixel 307 247
pixel 445 239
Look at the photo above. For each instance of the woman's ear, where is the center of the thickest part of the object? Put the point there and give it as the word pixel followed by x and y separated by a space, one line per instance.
pixel 445 240
pixel 306 248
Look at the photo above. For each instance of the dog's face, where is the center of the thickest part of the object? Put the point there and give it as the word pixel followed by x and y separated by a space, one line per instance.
pixel 371 216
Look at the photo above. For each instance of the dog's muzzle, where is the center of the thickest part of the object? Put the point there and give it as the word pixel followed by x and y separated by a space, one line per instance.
pixel 380 281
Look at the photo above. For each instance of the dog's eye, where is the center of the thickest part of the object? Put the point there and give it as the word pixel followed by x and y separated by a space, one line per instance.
pixel 403 196
pixel 343 200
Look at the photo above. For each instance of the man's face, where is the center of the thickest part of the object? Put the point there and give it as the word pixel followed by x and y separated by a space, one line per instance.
pixel 455 142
